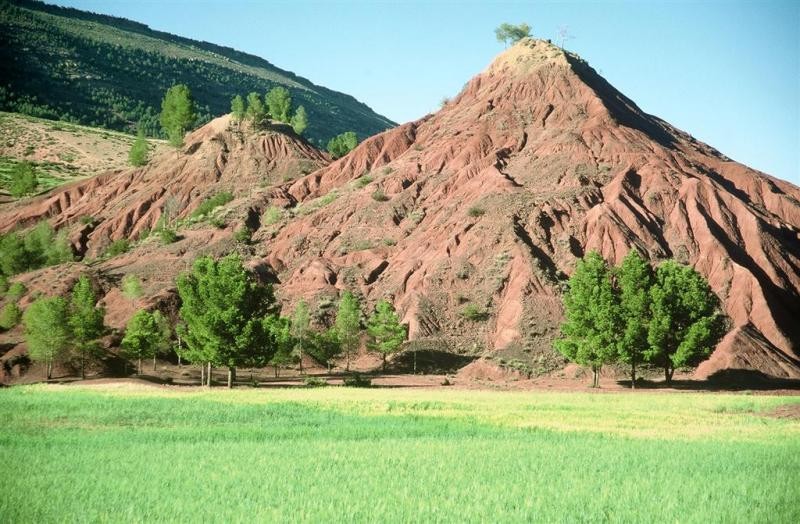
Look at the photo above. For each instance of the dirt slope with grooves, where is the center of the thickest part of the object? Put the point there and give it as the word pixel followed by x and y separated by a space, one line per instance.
pixel 492 199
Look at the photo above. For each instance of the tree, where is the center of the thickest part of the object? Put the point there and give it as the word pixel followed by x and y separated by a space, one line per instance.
pixel 132 288
pixel 237 108
pixel 139 150
pixel 385 331
pixel 255 108
pixel 340 145
pixel 300 120
pixel 348 325
pixel 592 316
pixel 685 321
pixel 143 337
pixel 279 104
pixel 10 316
pixel 226 311
pixel 281 330
pixel 301 321
pixel 177 113
pixel 325 346
pixel 513 33
pixel 23 180
pixel 634 278
pixel 85 320
pixel 46 330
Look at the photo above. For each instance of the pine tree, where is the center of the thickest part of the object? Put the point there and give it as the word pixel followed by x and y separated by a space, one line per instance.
pixel 23 180
pixel 177 113
pixel 513 33
pixel 226 311
pixel 301 321
pixel 348 325
pixel 385 331
pixel 634 278
pixel 139 150
pixel 300 120
pixel 142 337
pixel 85 321
pixel 279 104
pixel 255 112
pixel 46 330
pixel 685 320
pixel 590 331
pixel 237 108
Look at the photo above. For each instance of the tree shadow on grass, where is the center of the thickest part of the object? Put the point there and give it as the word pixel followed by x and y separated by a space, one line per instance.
pixel 724 380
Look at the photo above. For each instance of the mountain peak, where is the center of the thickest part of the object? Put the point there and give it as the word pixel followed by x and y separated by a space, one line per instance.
pixel 527 55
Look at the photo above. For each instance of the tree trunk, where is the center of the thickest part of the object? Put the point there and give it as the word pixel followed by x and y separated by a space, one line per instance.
pixel 668 372
pixel 383 355
pixel 276 370
pixel 209 374
pixel 154 362
pixel 633 375
pixel 179 351
pixel 179 361
pixel 415 361
pixel 595 378
pixel 202 375
pixel 347 362
pixel 231 376
pixel 139 366
pixel 301 361
pixel 83 368
pixel 47 372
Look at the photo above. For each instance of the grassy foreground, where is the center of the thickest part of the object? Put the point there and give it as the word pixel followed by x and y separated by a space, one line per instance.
pixel 127 453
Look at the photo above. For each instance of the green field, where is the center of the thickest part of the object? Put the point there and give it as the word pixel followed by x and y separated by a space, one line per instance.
pixel 129 453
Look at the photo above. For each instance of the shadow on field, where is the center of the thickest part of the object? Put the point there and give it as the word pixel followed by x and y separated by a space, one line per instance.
pixel 725 380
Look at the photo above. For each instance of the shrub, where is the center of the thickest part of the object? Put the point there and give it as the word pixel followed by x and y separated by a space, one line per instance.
pixel 117 247
pixel 363 181
pixel 357 381
pixel 379 196
pixel 340 145
pixel 476 211
pixel 210 204
pixel 23 180
pixel 389 242
pixel 167 236
pixel 272 215
pixel 16 290
pixel 474 313
pixel 217 222
pixel 243 235
pixel 10 316
pixel 86 220
pixel 315 382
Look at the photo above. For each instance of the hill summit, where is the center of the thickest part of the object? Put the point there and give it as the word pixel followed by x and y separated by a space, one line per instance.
pixel 469 219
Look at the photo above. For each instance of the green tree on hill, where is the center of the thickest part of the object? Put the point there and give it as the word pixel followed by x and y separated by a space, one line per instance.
pixel 300 120
pixel 325 346
pixel 592 316
pixel 23 180
pixel 685 322
pixel 634 278
pixel 10 316
pixel 226 311
pixel 85 321
pixel 177 113
pixel 348 325
pixel 131 288
pixel 143 336
pixel 139 150
pixel 340 145
pixel 385 331
pixel 279 103
pixel 47 331
pixel 238 108
pixel 512 33
pixel 301 323
pixel 255 112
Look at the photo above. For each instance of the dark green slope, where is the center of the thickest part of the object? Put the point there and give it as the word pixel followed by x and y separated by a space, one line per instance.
pixel 99 70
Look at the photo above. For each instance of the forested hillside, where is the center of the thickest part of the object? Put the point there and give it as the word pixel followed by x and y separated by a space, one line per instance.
pixel 86 68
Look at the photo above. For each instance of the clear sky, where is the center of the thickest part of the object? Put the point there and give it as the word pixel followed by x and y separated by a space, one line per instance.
pixel 728 72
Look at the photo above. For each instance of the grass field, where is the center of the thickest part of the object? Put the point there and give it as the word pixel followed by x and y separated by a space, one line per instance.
pixel 129 453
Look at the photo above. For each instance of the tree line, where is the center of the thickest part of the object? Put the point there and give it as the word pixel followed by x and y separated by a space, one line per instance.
pixel 226 319
pixel 633 314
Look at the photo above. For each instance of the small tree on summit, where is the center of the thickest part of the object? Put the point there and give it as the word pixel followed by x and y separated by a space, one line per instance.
pixel 300 120
pixel 512 33
pixel 255 112
pixel 237 108
pixel 177 113
pixel 279 104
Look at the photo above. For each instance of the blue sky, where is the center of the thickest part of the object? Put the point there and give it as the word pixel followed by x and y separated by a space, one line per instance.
pixel 728 72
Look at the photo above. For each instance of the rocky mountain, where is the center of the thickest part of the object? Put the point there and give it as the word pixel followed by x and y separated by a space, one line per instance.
pixel 470 219
pixel 67 64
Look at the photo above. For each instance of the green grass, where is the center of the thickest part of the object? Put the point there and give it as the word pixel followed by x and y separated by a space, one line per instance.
pixel 135 454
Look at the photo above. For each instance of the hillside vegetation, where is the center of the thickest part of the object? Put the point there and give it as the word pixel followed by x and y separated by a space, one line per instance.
pixel 61 152
pixel 72 65
pixel 137 453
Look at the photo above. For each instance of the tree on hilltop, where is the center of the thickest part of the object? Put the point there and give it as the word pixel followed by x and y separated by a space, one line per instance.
pixel 300 120
pixel 237 108
pixel 512 33
pixel 255 112
pixel 279 104
pixel 177 113
pixel 139 150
